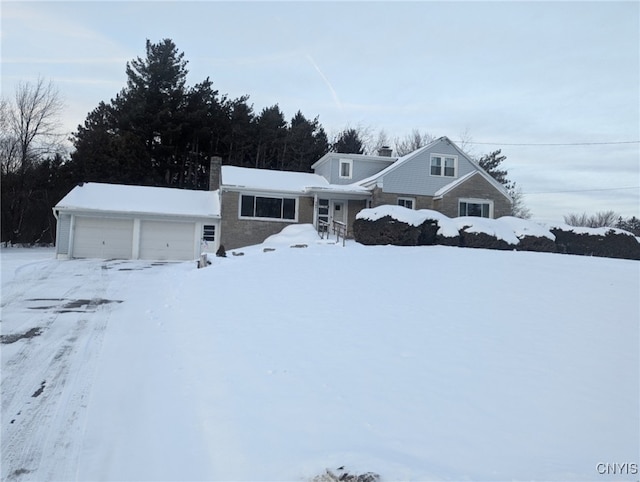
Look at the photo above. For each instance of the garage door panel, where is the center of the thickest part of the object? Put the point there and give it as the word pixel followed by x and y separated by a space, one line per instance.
pixel 102 238
pixel 167 240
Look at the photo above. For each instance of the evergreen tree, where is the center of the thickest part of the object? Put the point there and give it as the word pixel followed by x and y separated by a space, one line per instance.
pixel 348 142
pixel 631 224
pixel 491 163
pixel 159 131
pixel 306 142
pixel 241 133
pixel 152 106
pixel 271 130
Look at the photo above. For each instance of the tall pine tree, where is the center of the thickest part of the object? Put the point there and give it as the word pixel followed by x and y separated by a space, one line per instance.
pixel 348 142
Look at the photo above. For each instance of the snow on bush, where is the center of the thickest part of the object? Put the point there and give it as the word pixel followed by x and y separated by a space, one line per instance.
pixel 446 227
pixel 405 227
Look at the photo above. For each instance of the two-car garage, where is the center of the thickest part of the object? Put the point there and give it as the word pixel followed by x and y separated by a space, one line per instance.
pixel 111 221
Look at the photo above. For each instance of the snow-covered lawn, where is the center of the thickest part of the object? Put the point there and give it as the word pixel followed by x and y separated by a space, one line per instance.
pixel 425 363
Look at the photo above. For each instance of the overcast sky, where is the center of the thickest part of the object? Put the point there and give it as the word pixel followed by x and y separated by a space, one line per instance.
pixel 515 76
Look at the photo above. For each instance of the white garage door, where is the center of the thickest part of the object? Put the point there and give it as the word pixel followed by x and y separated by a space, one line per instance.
pixel 167 240
pixel 102 238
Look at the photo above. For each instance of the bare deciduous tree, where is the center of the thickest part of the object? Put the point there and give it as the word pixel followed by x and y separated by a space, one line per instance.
pixel 29 132
pixel 31 126
pixel 602 219
pixel 518 208
pixel 412 141
pixel 381 141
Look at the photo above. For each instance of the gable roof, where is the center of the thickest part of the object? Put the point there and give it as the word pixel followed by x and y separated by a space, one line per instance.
pixel 246 178
pixel 401 160
pixel 404 159
pixel 449 187
pixel 120 198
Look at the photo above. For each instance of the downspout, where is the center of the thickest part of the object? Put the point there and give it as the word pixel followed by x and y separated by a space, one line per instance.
pixel 55 215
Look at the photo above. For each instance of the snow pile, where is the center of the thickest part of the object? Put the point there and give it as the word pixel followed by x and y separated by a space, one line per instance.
pixel 524 227
pixel 492 227
pixel 295 235
pixel 418 363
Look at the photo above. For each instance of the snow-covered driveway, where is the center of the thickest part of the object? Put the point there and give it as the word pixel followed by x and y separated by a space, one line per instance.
pixel 54 317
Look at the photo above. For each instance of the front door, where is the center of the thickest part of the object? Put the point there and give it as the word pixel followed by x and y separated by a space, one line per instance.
pixel 338 211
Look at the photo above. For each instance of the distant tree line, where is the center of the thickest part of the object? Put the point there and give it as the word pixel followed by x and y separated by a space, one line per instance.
pixel 604 219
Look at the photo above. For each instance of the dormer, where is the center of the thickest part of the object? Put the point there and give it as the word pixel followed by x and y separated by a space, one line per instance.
pixel 338 168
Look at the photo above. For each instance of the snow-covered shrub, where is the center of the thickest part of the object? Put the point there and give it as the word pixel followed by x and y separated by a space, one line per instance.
pixel 342 476
pixel 399 226
pixel 385 230
pixel 405 227
pixel 604 242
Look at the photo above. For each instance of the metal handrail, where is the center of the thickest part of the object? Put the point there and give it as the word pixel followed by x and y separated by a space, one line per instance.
pixel 323 227
pixel 340 229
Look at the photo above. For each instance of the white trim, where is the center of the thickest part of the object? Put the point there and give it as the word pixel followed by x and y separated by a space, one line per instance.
pixel 296 200
pixel 405 198
pixel 444 157
pixel 135 250
pixel 470 200
pixel 348 162
pixel 345 209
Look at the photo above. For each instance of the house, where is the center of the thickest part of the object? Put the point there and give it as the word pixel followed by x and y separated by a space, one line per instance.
pixel 244 206
pixel 106 221
pixel 440 176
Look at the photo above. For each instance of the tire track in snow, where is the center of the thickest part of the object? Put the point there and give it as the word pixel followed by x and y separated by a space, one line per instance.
pixel 41 417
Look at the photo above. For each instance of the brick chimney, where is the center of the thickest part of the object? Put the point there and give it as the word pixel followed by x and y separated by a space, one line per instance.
pixel 215 166
pixel 385 151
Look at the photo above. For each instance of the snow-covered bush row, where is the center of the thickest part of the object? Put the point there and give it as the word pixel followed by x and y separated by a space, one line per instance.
pixel 400 226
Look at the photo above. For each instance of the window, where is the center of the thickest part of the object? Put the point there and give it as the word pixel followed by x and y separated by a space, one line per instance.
pixel 475 207
pixel 407 202
pixel 267 207
pixel 442 165
pixel 346 166
pixel 209 232
pixel 323 210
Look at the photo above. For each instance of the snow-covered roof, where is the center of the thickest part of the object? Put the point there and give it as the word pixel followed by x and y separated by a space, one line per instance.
pixel 99 197
pixel 358 157
pixel 246 178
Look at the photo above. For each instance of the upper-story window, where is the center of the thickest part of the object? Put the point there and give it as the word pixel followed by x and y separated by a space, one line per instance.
pixel 442 165
pixel 346 168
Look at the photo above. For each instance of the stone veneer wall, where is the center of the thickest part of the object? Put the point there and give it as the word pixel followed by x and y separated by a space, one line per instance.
pixel 380 198
pixel 236 232
pixel 354 206
pixel 477 187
